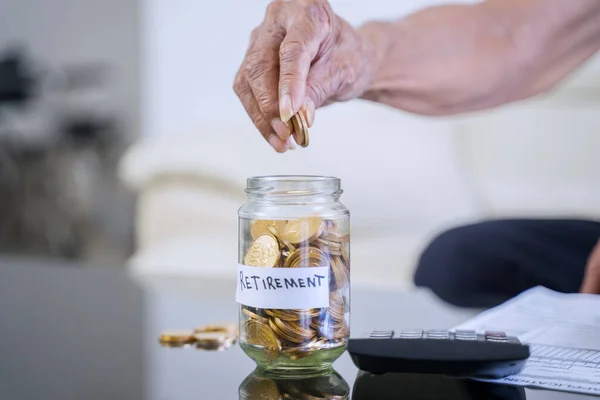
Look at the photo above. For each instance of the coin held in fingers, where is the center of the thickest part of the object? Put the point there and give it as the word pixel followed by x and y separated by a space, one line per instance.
pixel 300 129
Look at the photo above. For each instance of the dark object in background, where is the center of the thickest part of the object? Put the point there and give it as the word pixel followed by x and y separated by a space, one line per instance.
pixel 60 141
pixel 429 387
pixel 16 82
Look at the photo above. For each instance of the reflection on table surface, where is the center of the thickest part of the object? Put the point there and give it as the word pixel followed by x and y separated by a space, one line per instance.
pixel 368 387
pixel 93 334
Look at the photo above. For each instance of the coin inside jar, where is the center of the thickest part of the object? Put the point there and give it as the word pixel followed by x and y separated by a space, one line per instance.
pixel 260 226
pixel 303 229
pixel 263 252
pixel 261 334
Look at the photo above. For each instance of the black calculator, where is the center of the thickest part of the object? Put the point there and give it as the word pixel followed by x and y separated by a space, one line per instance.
pixel 454 353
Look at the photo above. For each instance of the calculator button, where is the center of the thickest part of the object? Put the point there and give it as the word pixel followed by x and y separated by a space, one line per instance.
pixel 438 335
pixel 495 334
pixel 382 334
pixel 414 334
pixel 465 335
pixel 496 339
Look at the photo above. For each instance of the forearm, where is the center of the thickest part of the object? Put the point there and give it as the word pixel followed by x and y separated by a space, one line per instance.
pixel 460 58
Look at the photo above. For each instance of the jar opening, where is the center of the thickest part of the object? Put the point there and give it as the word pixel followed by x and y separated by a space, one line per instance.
pixel 293 185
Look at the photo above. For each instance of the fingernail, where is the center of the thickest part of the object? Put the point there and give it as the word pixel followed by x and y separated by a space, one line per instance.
pixel 282 129
pixel 310 112
pixel 286 109
pixel 279 145
pixel 291 144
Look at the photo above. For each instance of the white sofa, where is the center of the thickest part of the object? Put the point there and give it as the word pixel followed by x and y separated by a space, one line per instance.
pixel 405 179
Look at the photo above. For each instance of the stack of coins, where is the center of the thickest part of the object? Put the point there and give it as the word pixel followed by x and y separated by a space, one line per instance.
pixel 332 387
pixel 300 129
pixel 208 337
pixel 299 243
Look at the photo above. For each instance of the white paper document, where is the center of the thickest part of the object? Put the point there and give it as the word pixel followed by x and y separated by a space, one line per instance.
pixel 563 331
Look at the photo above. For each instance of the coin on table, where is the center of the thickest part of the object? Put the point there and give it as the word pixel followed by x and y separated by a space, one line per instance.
pixel 176 338
pixel 261 334
pixel 303 229
pixel 263 252
pixel 260 226
pixel 214 340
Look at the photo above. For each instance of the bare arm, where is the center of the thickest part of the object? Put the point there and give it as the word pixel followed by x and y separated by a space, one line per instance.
pixel 439 61
pixel 461 58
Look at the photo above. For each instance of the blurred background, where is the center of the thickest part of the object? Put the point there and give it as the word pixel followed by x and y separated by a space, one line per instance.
pixel 122 144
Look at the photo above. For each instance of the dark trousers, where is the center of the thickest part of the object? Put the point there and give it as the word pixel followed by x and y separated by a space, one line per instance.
pixel 485 264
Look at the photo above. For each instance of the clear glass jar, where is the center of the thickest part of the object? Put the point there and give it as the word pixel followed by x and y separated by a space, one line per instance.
pixel 294 273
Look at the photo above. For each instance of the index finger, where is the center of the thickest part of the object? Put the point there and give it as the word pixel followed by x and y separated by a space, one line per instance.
pixel 298 49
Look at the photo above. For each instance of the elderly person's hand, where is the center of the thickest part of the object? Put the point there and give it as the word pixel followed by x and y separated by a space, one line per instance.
pixel 591 281
pixel 301 57
pixel 442 60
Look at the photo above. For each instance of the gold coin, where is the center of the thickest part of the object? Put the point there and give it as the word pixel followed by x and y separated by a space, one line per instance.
pixel 264 252
pixel 279 237
pixel 285 315
pixel 346 259
pixel 218 341
pixel 260 226
pixel 337 306
pixel 341 333
pixel 252 315
pixel 260 334
pixel 304 127
pixel 282 335
pixel 176 338
pixel 306 257
pixel 259 388
pixel 298 131
pixel 293 330
pixel 332 248
pixel 303 229
pixel 340 275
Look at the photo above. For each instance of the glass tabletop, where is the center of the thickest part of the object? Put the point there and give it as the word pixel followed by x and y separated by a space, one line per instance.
pixel 71 332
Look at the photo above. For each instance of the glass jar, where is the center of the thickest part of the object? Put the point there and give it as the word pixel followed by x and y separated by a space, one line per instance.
pixel 293 285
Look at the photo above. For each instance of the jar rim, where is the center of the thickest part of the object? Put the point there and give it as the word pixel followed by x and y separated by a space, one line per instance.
pixel 293 185
pixel 292 178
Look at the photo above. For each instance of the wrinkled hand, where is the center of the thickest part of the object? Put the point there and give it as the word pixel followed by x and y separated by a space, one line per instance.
pixel 591 281
pixel 302 56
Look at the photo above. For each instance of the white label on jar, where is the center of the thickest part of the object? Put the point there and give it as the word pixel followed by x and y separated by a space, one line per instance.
pixel 283 288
